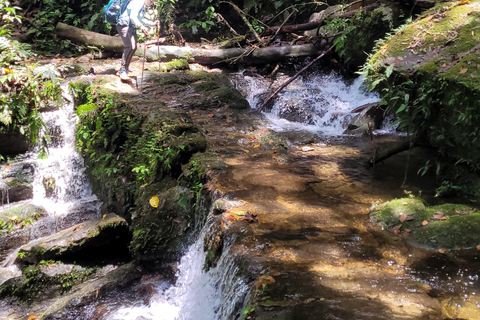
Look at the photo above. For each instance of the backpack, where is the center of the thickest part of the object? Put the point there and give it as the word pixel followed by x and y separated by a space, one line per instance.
pixel 113 10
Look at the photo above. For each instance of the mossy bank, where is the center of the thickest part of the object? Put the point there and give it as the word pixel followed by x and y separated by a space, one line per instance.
pixel 148 162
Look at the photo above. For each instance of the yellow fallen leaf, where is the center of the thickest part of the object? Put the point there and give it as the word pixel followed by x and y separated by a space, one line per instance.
pixel 13 218
pixel 424 222
pixel 264 280
pixel 9 180
pixel 104 216
pixel 256 146
pixel 247 151
pixel 463 70
pixel 32 317
pixel 154 201
pixel 237 212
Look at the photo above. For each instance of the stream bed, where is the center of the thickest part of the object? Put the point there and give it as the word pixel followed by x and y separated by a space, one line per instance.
pixel 312 252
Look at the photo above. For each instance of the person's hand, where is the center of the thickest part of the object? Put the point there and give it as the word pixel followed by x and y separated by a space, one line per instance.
pixel 144 30
pixel 157 23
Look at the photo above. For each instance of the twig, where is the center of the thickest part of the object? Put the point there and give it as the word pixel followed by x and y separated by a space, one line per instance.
pixel 221 18
pixel 244 18
pixel 283 23
pixel 293 78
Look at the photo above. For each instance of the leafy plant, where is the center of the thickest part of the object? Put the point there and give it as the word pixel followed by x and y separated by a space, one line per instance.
pixel 24 93
pixel 83 14
pixel 9 17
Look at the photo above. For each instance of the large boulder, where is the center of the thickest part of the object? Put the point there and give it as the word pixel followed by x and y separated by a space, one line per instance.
pixel 428 73
pixel 109 233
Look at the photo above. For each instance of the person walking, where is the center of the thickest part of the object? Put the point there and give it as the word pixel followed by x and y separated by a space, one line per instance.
pixel 131 18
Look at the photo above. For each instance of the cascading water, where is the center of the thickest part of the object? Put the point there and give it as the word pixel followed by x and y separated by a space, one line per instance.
pixel 318 103
pixel 196 294
pixel 60 185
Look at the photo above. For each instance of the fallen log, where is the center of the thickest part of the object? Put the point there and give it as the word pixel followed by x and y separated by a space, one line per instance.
pixel 194 55
pixel 90 38
pixel 237 55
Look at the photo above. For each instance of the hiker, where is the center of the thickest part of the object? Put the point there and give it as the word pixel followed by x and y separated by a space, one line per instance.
pixel 128 22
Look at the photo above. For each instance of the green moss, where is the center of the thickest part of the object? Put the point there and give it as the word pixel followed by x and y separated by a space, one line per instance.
pixel 459 227
pixel 175 64
pixel 461 231
pixel 388 214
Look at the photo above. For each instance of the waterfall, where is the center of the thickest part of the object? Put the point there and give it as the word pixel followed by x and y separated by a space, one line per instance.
pixel 197 294
pixel 60 185
pixel 60 182
pixel 319 102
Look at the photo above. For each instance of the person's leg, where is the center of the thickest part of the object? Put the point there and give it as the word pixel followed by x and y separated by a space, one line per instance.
pixel 129 38
pixel 132 35
pixel 127 47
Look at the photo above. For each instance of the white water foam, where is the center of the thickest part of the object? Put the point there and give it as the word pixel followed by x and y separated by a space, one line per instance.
pixel 63 169
pixel 319 103
pixel 196 294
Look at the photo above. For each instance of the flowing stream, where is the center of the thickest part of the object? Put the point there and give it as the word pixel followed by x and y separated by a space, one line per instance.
pixel 319 103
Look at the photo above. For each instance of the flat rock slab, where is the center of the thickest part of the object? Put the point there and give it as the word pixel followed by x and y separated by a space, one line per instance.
pixel 83 236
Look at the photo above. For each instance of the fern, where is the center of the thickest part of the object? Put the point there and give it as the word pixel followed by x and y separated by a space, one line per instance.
pixel 12 51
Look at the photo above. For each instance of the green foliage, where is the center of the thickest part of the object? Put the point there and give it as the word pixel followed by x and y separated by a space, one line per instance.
pixel 85 14
pixel 24 93
pixel 12 51
pixel 15 222
pixel 9 17
pixel 357 35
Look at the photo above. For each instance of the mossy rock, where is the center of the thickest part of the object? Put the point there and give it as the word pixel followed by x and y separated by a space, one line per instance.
pixel 107 233
pixel 176 64
pixel 454 233
pixel 449 226
pixel 389 214
pixel 428 74
pixel 162 225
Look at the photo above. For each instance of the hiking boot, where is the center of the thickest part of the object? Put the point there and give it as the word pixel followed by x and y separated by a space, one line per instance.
pixel 122 73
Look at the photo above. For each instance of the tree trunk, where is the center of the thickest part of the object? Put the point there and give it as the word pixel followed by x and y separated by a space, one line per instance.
pixel 90 38
pixel 201 56
pixel 234 55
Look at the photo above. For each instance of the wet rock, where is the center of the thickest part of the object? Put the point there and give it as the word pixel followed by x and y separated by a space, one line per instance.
pixel 12 144
pixel 222 205
pixel 90 236
pixel 160 232
pixel 16 182
pixel 16 223
pixel 366 121
pixel 104 282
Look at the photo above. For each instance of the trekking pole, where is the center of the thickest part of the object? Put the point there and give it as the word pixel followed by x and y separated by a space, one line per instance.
pixel 144 53
pixel 158 46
